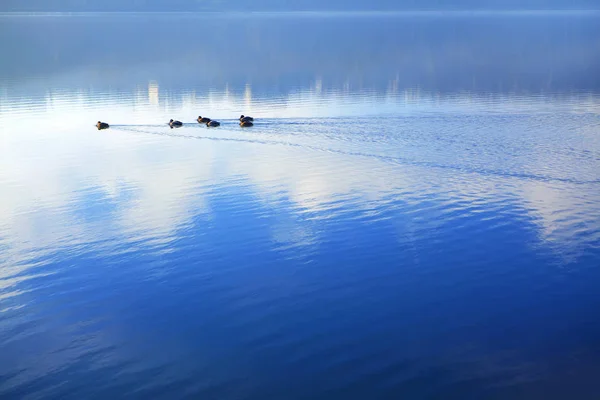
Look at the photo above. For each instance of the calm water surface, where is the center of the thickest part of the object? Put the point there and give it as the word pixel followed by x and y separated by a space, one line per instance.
pixel 415 214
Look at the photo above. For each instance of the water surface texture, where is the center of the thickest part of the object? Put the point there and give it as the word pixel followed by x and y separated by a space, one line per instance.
pixel 414 215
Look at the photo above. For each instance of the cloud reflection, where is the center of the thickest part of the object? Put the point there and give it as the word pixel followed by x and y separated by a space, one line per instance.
pixel 65 185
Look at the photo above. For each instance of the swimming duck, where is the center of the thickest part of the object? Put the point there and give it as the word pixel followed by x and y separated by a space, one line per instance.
pixel 175 124
pixel 246 124
pixel 202 120
pixel 246 119
pixel 213 124
pixel 102 125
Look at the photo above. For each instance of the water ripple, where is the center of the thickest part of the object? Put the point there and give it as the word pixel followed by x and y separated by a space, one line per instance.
pixel 416 220
pixel 464 169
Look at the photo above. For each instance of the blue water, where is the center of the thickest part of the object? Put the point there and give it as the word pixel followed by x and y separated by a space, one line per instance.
pixel 414 215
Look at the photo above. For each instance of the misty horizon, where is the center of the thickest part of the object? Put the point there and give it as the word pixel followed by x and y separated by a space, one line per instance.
pixel 301 5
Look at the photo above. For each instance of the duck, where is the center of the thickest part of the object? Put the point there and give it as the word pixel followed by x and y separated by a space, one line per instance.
pixel 203 120
pixel 175 124
pixel 246 124
pixel 102 125
pixel 213 124
pixel 246 119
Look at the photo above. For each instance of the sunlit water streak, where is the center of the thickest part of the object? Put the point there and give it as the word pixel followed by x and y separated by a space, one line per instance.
pixel 357 242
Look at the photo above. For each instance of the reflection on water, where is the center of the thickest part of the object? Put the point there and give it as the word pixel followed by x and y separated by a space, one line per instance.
pixel 415 213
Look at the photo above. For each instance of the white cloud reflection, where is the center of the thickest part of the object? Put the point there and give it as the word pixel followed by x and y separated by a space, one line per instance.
pixel 64 183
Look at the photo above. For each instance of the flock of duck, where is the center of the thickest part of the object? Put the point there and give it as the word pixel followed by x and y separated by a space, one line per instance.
pixel 245 122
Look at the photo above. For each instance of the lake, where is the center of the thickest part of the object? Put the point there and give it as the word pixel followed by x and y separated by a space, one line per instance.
pixel 414 215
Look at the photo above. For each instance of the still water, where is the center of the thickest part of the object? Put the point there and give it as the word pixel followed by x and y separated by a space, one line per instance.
pixel 414 215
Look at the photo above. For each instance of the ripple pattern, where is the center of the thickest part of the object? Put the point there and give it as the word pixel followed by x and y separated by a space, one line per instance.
pixel 356 243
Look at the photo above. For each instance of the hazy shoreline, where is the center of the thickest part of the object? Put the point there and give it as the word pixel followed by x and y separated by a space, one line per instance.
pixel 312 13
